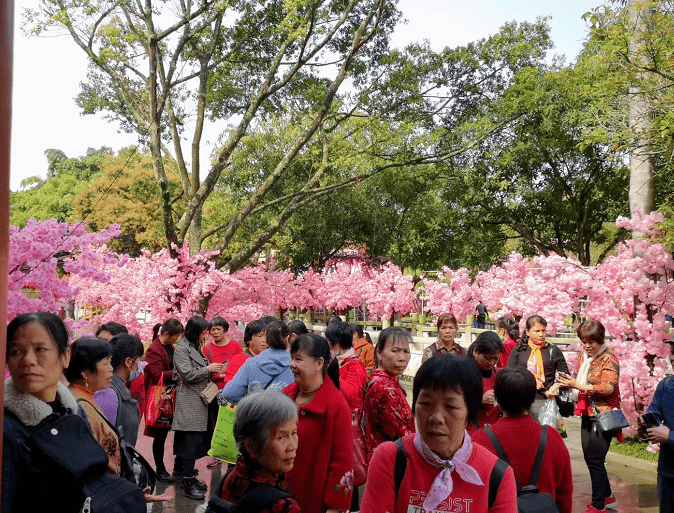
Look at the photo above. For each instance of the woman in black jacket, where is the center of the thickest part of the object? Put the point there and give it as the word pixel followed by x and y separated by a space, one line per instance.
pixel 540 358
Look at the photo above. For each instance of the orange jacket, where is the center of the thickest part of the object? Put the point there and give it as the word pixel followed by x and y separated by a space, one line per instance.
pixel 365 353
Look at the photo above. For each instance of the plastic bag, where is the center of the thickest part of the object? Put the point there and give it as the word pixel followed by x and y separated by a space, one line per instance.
pixel 550 416
pixel 223 445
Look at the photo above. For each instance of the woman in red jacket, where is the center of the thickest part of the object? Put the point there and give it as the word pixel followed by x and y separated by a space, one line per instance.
pixel 519 434
pixel 322 475
pixel 352 374
pixel 159 359
pixel 388 414
pixel 486 351
pixel 509 331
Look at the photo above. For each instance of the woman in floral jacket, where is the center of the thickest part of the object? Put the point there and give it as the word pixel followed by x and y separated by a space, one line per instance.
pixel 322 476
pixel 387 412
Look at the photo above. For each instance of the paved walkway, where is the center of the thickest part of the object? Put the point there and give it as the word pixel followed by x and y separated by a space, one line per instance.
pixel 633 480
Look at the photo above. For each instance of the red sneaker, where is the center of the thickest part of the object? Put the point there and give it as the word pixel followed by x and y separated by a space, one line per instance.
pixel 611 502
pixel 592 509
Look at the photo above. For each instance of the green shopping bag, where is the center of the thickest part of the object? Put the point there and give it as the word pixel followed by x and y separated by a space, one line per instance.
pixel 223 445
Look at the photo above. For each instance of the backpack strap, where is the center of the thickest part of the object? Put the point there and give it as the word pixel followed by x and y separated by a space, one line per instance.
pixel 500 451
pixel 400 467
pixel 539 456
pixel 495 478
pixel 260 498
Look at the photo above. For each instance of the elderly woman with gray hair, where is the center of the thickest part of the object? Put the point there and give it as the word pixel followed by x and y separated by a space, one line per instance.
pixel 265 430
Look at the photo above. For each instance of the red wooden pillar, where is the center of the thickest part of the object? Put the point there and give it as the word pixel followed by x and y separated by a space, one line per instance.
pixel 6 50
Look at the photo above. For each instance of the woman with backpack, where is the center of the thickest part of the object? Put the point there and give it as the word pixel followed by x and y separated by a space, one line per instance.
pixel 519 434
pixel 265 430
pixel 439 468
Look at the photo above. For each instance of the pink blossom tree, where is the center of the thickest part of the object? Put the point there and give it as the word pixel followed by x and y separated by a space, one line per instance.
pixel 389 291
pixel 47 257
pixel 453 292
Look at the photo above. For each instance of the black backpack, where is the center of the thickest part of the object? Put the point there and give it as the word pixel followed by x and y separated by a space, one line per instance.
pixel 254 500
pixel 497 473
pixel 78 453
pixel 529 499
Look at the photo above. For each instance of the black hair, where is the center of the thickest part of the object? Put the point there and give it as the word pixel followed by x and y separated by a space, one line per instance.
pixel 317 347
pixel 297 327
pixel 487 342
pixel 276 335
pixel 267 320
pixel 253 329
pixel 49 321
pixel 534 319
pixel 172 327
pixel 155 330
pixel 194 328
pixel 511 326
pixel 341 334
pixel 114 328
pixel 85 353
pixel 392 333
pixel 335 319
pixel 357 328
pixel 515 390
pixel 448 372
pixel 125 346
pixel 591 330
pixel 219 321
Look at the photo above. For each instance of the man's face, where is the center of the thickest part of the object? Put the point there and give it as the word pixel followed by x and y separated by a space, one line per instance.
pixel 671 354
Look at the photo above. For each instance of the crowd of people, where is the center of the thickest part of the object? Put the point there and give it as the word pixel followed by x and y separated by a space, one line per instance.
pixel 469 439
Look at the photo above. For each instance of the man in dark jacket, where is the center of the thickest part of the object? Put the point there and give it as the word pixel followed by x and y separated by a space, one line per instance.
pixel 663 408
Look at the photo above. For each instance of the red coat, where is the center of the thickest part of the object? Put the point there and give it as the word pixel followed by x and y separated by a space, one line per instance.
pixel 235 363
pixel 158 363
pixel 387 412
pixel 322 476
pixel 519 437
pixel 352 379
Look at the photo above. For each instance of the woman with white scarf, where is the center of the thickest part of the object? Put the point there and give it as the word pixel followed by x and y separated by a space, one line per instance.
pixel 444 470
pixel 596 387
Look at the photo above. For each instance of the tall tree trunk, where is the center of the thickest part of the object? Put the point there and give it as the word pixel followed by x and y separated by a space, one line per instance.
pixel 641 193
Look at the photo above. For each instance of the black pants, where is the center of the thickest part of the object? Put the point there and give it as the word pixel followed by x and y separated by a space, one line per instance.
pixel 158 448
pixel 666 494
pixel 595 446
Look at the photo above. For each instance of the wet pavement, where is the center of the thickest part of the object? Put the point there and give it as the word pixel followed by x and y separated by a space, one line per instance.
pixel 633 481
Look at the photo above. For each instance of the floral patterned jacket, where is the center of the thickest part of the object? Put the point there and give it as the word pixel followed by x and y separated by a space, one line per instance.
pixel 249 474
pixel 388 414
pixel 603 376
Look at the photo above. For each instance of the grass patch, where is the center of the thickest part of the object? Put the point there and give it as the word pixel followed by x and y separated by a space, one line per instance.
pixel 633 447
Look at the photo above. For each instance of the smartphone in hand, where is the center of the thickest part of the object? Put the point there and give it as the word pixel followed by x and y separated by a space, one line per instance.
pixel 650 420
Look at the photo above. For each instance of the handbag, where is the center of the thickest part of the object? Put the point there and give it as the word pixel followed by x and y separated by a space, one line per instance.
pixel 565 403
pixel 359 449
pixel 209 393
pixel 223 444
pixel 160 405
pixel 611 420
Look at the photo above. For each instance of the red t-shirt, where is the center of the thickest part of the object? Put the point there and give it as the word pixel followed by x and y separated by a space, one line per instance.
pixel 509 344
pixel 419 476
pixel 221 354
pixel 519 437
pixel 352 379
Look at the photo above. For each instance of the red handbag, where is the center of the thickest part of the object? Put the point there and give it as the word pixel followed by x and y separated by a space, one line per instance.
pixel 160 405
pixel 359 449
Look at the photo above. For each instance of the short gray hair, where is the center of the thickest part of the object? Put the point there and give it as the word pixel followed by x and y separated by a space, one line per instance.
pixel 257 413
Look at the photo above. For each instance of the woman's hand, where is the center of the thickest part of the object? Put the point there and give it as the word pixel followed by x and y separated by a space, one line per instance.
pixel 553 391
pixel 147 492
pixel 488 397
pixel 659 434
pixel 568 381
pixel 215 367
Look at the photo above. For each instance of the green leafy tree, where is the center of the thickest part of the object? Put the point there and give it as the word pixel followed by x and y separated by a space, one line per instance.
pixel 536 180
pixel 126 193
pixel 52 197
